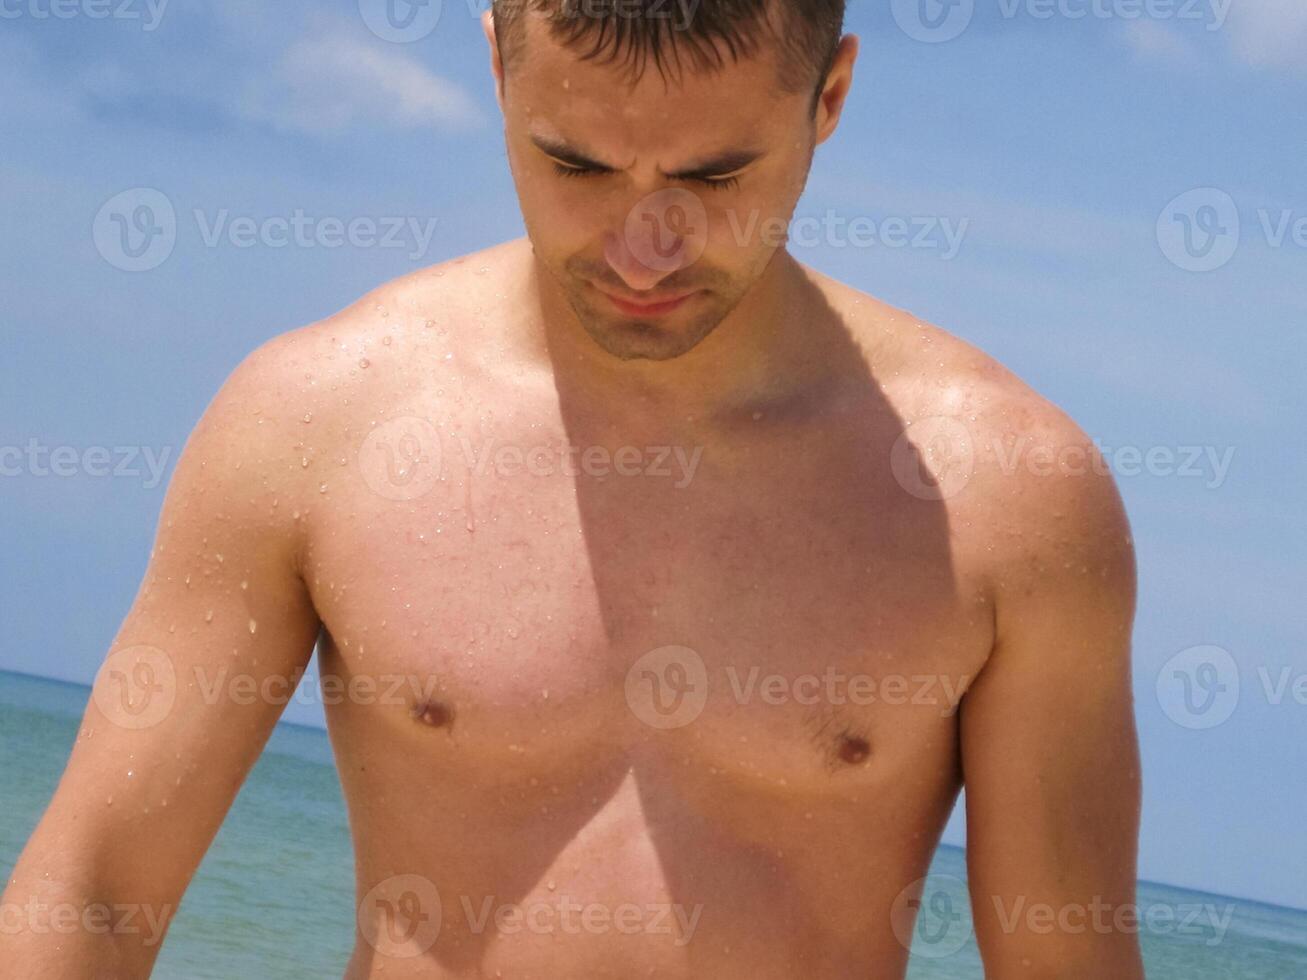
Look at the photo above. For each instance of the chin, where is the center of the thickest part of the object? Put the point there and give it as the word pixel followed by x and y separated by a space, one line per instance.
pixel 642 340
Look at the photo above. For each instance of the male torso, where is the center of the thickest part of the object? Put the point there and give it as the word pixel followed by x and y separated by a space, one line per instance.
pixel 749 803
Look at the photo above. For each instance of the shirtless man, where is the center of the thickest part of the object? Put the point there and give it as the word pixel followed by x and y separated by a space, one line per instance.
pixel 704 608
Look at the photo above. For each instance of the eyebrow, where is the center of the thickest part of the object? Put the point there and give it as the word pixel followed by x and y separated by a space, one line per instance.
pixel 719 165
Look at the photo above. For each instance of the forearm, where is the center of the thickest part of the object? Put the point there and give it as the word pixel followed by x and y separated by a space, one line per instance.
pixel 60 921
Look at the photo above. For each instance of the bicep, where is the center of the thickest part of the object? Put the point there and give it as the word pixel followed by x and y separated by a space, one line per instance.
pixel 201 668
pixel 1049 750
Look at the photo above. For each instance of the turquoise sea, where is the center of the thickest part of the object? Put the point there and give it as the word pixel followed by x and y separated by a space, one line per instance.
pixel 273 899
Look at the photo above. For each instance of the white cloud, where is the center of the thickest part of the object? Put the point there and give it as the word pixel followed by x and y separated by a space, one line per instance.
pixel 1270 33
pixel 327 84
pixel 320 75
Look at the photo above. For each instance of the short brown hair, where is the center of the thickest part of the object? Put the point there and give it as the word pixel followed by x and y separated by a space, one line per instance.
pixel 633 31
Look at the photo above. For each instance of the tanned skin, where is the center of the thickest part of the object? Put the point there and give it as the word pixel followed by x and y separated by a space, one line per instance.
pixel 347 483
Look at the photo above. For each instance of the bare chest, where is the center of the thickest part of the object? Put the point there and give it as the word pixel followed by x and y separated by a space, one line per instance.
pixel 502 595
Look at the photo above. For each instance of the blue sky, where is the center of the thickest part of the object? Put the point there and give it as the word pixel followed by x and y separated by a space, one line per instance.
pixel 1063 152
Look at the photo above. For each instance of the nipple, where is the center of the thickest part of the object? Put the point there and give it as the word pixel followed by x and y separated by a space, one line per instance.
pixel 853 749
pixel 437 714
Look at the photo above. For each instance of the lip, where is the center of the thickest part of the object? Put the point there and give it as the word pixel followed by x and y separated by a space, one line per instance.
pixel 661 308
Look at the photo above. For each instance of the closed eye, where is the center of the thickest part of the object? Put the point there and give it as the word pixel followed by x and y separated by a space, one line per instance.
pixel 716 183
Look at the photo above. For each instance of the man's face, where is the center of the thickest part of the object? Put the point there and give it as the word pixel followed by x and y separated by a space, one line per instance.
pixel 669 191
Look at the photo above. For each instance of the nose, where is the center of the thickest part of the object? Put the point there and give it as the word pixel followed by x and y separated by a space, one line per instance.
pixel 643 259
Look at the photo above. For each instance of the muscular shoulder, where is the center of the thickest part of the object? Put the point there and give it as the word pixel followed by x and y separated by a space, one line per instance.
pixel 1030 498
pixel 281 441
pixel 423 332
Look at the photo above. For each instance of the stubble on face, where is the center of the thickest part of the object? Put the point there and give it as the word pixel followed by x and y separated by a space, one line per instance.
pixel 653 338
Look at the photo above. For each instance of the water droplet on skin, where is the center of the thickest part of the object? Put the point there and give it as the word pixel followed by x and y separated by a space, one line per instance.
pixel 254 627
pixel 304 462
pixel 386 341
pixel 208 616
pixel 308 417
pixel 365 363
pixel 322 488
pixel 429 324
pixel 244 586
